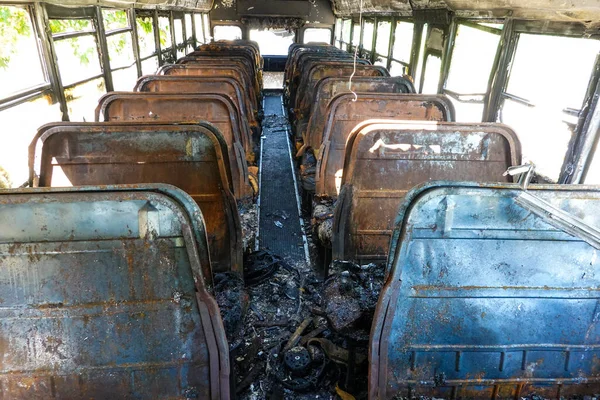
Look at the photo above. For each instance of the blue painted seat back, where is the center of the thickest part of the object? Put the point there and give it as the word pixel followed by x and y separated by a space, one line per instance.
pixel 102 296
pixel 487 299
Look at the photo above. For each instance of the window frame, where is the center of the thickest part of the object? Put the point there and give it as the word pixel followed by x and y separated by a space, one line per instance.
pixel 180 16
pixel 576 161
pixel 406 65
pixel 337 33
pixel 318 26
pixel 40 15
pixel 469 98
pixel 214 25
pixel 342 42
pixel 376 54
pixel 96 32
pixel 197 41
pixel 129 29
pixel 144 14
pixel 49 84
pixel 368 54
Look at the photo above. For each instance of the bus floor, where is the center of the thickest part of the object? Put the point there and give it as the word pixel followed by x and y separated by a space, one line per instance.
pixel 280 350
pixel 280 222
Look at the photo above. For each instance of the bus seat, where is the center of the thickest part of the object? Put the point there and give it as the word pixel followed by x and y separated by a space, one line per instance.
pixel 235 47
pixel 230 61
pixel 191 157
pixel 487 296
pixel 296 49
pixel 325 70
pixel 222 50
pixel 103 296
pixel 296 53
pixel 344 114
pixel 161 107
pixel 213 70
pixel 385 159
pixel 327 88
pixel 300 81
pixel 203 84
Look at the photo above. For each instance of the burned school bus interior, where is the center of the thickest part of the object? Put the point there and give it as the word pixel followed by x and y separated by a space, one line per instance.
pixel 300 199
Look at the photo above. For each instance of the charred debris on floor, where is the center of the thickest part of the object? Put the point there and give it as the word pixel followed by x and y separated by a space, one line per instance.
pixel 293 334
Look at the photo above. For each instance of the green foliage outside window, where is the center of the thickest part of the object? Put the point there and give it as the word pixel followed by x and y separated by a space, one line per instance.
pixel 14 22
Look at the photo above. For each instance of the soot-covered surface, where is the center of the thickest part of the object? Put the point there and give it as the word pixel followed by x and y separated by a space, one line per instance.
pixel 286 347
pixel 280 229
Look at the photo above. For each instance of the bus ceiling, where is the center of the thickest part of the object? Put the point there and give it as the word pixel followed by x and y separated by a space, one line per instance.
pixel 586 12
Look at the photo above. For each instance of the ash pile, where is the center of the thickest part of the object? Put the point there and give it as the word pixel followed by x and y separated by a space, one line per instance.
pixel 295 335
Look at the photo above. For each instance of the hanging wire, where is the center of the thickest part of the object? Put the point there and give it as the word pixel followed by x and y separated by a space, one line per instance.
pixel 355 53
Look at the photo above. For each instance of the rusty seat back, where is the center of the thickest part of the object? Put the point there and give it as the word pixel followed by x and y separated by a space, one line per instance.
pixel 294 51
pixel 212 70
pixel 234 47
pixel 224 50
pixel 327 88
pixel 191 157
pixel 291 64
pixel 165 107
pixel 231 94
pixel 103 296
pixel 239 62
pixel 303 55
pixel 344 114
pixel 326 69
pixel 197 56
pixel 201 84
pixel 488 296
pixel 385 159
pixel 299 55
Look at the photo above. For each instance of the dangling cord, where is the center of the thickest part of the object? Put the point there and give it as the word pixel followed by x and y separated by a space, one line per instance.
pixel 356 53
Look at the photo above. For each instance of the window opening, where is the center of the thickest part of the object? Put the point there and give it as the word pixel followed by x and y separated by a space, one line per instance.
pixel 317 35
pixel 19 70
pixel 274 42
pixel 535 105
pixel 470 68
pixel 227 32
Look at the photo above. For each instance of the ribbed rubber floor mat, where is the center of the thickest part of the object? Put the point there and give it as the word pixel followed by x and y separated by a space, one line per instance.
pixel 280 229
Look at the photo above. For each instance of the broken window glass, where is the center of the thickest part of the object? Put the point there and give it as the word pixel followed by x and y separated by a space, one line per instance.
pixel 114 19
pixel 433 66
pixel 120 50
pixel 356 35
pixel 179 39
pixel 78 58
pixel 164 29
